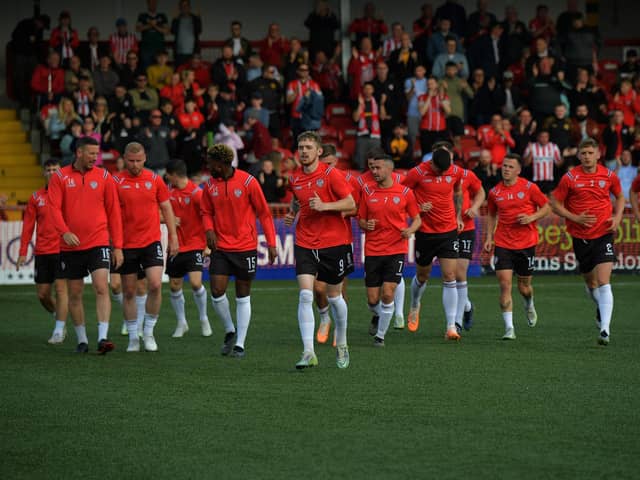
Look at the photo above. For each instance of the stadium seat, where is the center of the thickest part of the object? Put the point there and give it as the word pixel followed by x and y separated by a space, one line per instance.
pixel 471 156
pixel 334 110
pixel 467 142
pixel 328 133
pixel 469 131
pixel 348 146
pixel 344 126
pixel 608 73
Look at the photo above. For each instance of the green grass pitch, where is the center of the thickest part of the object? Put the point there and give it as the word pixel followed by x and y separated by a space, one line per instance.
pixel 552 404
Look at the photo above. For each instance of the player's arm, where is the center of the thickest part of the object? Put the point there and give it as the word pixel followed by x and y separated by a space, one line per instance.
pixel 491 228
pixel 416 222
pixel 114 213
pixel 207 212
pixel 344 205
pixel 557 206
pixel 170 221
pixel 294 208
pixel 55 202
pixel 542 204
pixel 28 225
pixel 263 212
pixel 457 202
pixel 413 212
pixel 364 222
pixel 618 210
pixel 478 199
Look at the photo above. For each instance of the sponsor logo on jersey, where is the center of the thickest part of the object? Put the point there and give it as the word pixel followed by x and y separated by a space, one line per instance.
pixel 71 183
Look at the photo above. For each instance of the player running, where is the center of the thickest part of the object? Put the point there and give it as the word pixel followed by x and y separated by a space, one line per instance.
pixel 583 198
pixel 515 205
pixel 383 212
pixel 47 270
pixel 231 202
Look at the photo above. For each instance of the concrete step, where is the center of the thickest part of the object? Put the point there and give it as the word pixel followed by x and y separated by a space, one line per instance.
pixel 7 114
pixel 7 126
pixel 18 171
pixel 13 138
pixel 15 148
pixel 20 183
pixel 26 159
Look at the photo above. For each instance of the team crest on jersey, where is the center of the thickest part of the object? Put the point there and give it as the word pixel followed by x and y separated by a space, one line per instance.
pixel 448 179
pixel 187 201
pixel 520 195
pixel 237 192
pixel 147 185
pixel 320 183
pixel 396 200
pixel 602 183
pixel 93 184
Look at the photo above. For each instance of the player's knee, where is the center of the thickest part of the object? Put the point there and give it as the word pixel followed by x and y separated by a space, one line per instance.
pixel 306 296
pixel 153 287
pixel 43 296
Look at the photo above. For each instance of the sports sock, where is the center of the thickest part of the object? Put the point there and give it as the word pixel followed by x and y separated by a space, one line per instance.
pixel 398 299
pixel 593 293
pixel 528 302
pixel 467 306
pixel 306 322
pixel 508 320
pixel 149 324
pixel 386 312
pixel 81 333
pixel 177 302
pixel 340 312
pixel 243 317
pixel 59 328
pixel 118 297
pixel 323 313
pixel 221 307
pixel 605 305
pixel 103 330
pixel 141 302
pixel 132 328
pixel 463 298
pixel 450 302
pixel 417 289
pixel 200 297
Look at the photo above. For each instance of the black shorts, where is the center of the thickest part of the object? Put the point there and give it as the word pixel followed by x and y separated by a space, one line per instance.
pixel 590 253
pixel 241 265
pixel 47 268
pixel 141 272
pixel 466 241
pixel 383 269
pixel 145 257
pixel 430 245
pixel 520 261
pixel 183 263
pixel 76 265
pixel 329 265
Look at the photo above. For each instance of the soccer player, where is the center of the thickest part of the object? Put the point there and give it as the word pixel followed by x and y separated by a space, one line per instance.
pixel 436 185
pixel 322 247
pixel 583 199
pixel 232 200
pixel 383 212
pixel 85 209
pixel 143 194
pixel 185 199
pixel 515 205
pixel 47 255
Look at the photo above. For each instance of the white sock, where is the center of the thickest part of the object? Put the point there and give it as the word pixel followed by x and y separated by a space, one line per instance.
pixel 59 328
pixel 200 297
pixel 177 302
pixel 508 320
pixel 81 333
pixel 323 313
pixel 340 313
pixel 386 312
pixel 605 305
pixel 594 293
pixel 467 306
pixel 450 302
pixel 306 322
pixel 149 324
pixel 132 328
pixel 398 299
pixel 221 307
pixel 117 297
pixel 243 317
pixel 463 299
pixel 528 302
pixel 141 302
pixel 374 308
pixel 103 330
pixel 417 290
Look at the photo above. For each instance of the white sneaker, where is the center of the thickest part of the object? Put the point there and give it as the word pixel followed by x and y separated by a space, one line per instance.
pixel 134 345
pixel 57 338
pixel 398 322
pixel 181 329
pixel 510 334
pixel 150 344
pixel 123 329
pixel 532 316
pixel 205 327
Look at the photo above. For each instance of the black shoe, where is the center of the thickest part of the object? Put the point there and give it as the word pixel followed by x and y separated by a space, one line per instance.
pixel 458 328
pixel 229 340
pixel 238 352
pixel 373 327
pixel 105 346
pixel 82 348
pixel 467 319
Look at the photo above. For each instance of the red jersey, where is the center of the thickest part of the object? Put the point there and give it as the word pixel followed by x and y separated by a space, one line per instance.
pixel 390 207
pixel 366 179
pixel 510 201
pixel 543 159
pixel 581 192
pixel 186 207
pixel 86 204
pixel 300 89
pixel 140 198
pixel 435 119
pixel 47 237
pixel 635 185
pixel 498 144
pixel 316 230
pixel 230 208
pixel 428 186
pixel 470 185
